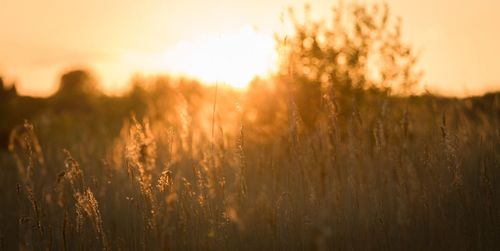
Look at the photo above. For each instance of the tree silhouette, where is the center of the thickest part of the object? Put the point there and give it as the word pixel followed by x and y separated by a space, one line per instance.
pixel 78 82
pixel 78 90
pixel 360 49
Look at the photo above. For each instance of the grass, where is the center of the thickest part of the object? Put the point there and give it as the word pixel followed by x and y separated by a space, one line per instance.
pixel 321 157
pixel 396 173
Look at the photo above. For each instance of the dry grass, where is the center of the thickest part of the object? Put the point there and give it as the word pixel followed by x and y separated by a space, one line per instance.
pixel 319 158
pixel 382 177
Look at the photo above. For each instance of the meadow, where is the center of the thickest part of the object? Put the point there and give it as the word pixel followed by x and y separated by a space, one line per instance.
pixel 323 156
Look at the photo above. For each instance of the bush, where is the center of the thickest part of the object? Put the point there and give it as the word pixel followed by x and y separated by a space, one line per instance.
pixel 360 49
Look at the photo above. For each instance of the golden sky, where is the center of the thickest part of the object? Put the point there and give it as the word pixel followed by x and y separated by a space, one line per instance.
pixel 458 40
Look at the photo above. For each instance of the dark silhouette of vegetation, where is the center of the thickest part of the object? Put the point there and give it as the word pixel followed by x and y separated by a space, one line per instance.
pixel 358 53
pixel 78 82
pixel 5 92
pixel 326 155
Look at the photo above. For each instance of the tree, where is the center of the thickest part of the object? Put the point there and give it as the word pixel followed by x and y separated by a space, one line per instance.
pixel 78 90
pixel 78 82
pixel 359 50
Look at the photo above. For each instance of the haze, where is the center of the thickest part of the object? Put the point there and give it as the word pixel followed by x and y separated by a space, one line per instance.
pixel 457 40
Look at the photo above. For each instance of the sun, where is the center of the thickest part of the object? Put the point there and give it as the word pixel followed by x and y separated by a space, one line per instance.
pixel 232 59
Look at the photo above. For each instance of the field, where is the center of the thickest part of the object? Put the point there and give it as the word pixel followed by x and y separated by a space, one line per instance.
pixel 296 162
pixel 402 173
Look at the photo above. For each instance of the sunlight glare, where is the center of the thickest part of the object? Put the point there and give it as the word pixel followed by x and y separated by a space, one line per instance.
pixel 232 59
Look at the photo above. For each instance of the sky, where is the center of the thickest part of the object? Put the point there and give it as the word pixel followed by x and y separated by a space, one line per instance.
pixel 457 40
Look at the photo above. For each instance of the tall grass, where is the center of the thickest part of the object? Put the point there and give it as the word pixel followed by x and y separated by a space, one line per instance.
pixel 395 173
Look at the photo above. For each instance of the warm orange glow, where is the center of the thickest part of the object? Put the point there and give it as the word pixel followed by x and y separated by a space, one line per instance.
pixel 232 59
pixel 457 41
